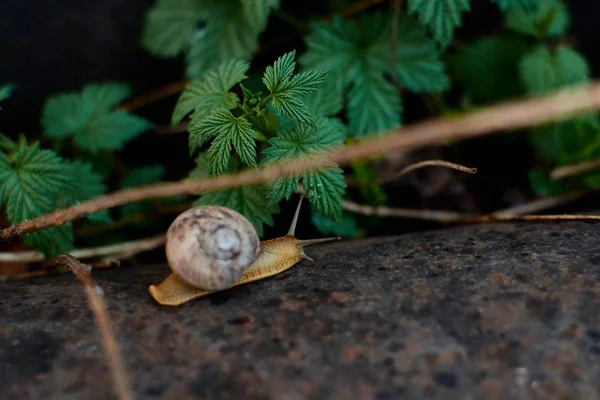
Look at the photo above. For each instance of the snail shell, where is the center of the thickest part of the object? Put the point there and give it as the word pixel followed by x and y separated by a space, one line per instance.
pixel 211 247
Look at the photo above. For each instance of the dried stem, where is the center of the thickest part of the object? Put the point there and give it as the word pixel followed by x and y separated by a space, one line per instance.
pixel 129 248
pixel 154 96
pixel 172 129
pixel 523 218
pixel 429 163
pixel 96 302
pixel 428 215
pixel 509 214
pixel 540 204
pixel 505 116
pixel 575 169
pixel 133 219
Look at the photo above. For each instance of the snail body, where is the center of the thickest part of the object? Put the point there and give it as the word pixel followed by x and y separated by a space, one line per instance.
pixel 213 248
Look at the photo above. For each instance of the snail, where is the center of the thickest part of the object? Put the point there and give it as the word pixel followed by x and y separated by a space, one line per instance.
pixel 214 248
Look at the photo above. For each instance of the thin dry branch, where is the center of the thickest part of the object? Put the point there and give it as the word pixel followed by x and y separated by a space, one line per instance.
pixel 574 169
pixel 96 302
pixel 428 215
pixel 522 218
pixel 505 116
pixel 538 205
pixel 508 214
pixel 153 96
pixel 430 163
pixel 130 248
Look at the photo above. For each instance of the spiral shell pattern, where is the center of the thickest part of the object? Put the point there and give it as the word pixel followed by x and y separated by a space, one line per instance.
pixel 210 247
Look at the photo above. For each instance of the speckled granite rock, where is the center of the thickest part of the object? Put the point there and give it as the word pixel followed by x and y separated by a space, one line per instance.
pixel 482 312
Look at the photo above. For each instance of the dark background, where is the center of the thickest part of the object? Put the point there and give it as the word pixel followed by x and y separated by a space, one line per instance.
pixel 48 46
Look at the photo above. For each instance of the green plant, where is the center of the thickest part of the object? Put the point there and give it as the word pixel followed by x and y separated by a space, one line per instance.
pixel 353 79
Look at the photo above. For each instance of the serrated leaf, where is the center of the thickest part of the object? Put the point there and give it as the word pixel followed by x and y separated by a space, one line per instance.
pixel 281 71
pixel 88 116
pixel 325 188
pixel 509 5
pixel 105 96
pixel 29 184
pixel 347 228
pixel 248 200
pixel 230 132
pixel 298 141
pixel 227 33
pixel 140 176
pixel 542 70
pixel 569 141
pixel 65 114
pixel 288 89
pixel 211 91
pixel 110 131
pixel 85 184
pixel 259 10
pixel 482 64
pixel 441 16
pixel 549 19
pixel 292 108
pixel 169 26
pixel 418 64
pixel 328 100
pixel 373 106
pixel 356 53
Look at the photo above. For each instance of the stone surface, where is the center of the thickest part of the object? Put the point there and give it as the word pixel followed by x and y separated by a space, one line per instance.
pixel 483 312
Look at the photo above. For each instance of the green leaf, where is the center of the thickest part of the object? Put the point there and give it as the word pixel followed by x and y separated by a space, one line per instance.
pixel 140 176
pixel 549 19
pixel 356 54
pixel 328 100
pixel 105 96
pixel 85 184
pixel 324 189
pixel 227 33
pixel 229 131
pixel 211 91
pixel 88 115
pixel 418 64
pixel 542 185
pixel 248 200
pixel 442 16
pixel 482 64
pixel 287 89
pixel 525 5
pixel 169 26
pixel 65 114
pixel 5 92
pixel 543 71
pixel 568 141
pixel 258 11
pixel 325 186
pixel 29 184
pixel 373 106
pixel 347 228
pixel 111 131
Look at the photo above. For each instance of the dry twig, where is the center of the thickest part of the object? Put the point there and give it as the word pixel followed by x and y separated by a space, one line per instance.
pixel 538 205
pixel 505 116
pixel 120 249
pixel 428 215
pixel 96 302
pixel 153 96
pixel 575 169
